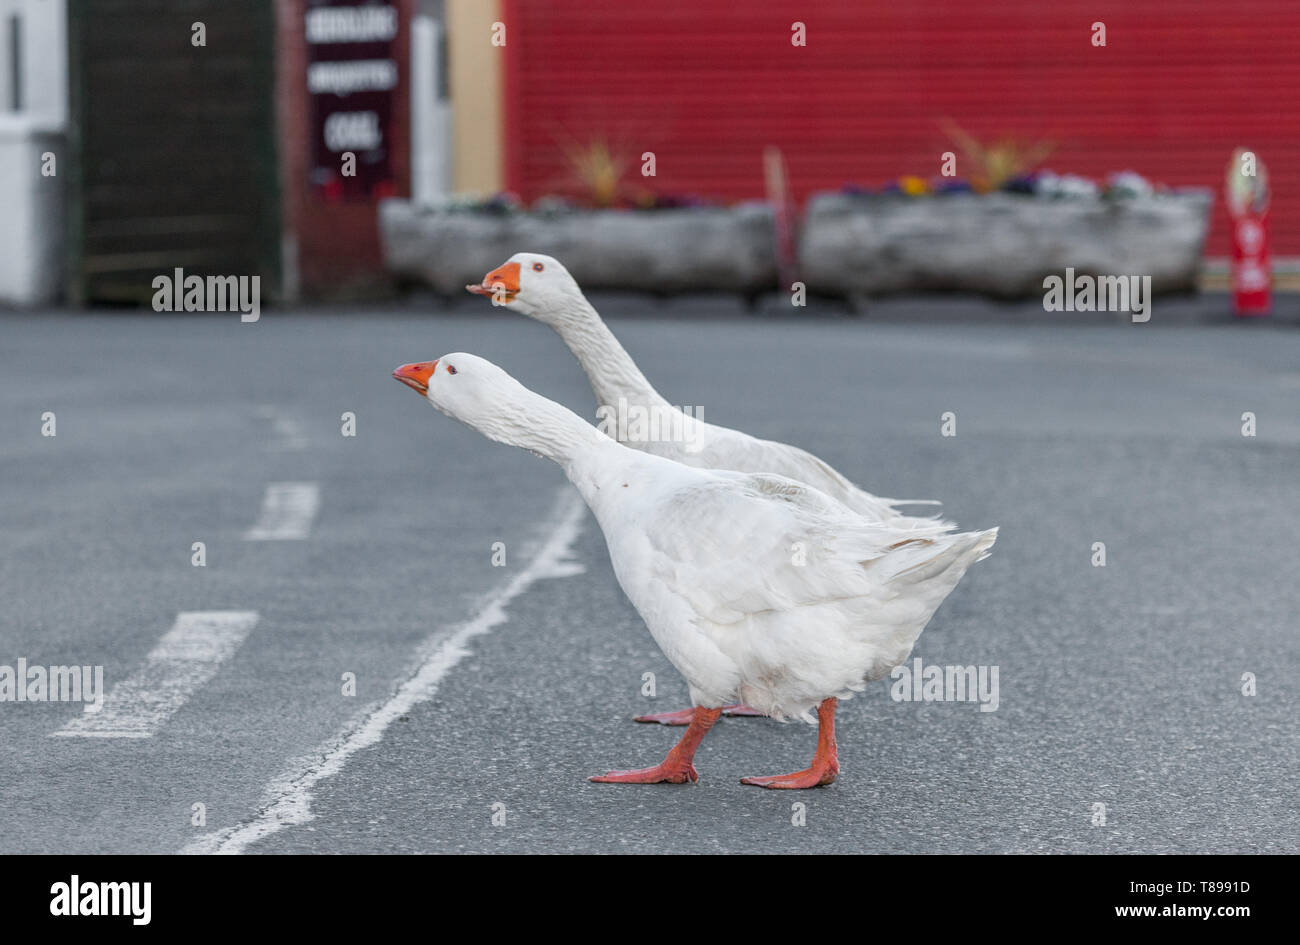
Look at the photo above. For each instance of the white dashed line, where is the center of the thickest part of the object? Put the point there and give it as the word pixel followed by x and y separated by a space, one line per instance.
pixel 187 656
pixel 289 796
pixel 288 510
pixel 289 433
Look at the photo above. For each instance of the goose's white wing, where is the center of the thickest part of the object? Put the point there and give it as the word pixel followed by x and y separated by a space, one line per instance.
pixel 724 448
pixel 740 545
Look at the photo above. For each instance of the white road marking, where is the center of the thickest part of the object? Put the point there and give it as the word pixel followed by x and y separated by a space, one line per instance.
pixel 187 656
pixel 288 510
pixel 289 796
pixel 289 432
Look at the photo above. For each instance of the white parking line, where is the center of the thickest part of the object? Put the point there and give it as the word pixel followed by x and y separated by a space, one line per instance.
pixel 289 433
pixel 289 796
pixel 187 656
pixel 288 510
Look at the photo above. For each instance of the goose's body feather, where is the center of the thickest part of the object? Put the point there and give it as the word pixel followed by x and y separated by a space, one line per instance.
pixel 763 589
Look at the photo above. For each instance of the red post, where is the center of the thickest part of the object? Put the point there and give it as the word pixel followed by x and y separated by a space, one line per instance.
pixel 1247 196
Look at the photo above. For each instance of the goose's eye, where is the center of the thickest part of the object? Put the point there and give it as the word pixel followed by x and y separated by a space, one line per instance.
pixel 538 267
pixel 451 369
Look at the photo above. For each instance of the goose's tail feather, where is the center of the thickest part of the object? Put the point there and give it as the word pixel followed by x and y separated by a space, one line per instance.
pixel 957 552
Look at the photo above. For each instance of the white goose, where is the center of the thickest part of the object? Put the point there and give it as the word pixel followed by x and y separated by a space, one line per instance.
pixel 541 288
pixel 754 586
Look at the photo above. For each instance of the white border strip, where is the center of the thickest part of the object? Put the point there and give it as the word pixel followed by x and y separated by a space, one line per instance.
pixel 187 656
pixel 289 795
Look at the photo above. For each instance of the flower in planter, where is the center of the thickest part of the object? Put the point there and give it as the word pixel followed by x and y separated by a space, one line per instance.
pixel 596 170
pixel 906 186
pixel 951 185
pixel 992 165
pixel 502 203
pixel 912 186
pixel 677 202
pixel 1069 186
pixel 1025 184
pixel 1127 185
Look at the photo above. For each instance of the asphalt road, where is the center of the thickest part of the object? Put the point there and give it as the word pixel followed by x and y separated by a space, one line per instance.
pixel 1119 685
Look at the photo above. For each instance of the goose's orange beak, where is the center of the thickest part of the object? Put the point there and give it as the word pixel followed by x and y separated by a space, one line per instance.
pixel 507 277
pixel 416 376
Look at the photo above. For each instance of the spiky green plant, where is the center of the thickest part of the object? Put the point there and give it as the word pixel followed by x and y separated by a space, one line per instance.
pixel 990 166
pixel 597 171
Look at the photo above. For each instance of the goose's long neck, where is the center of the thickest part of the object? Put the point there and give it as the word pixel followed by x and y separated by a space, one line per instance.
pixel 546 428
pixel 610 369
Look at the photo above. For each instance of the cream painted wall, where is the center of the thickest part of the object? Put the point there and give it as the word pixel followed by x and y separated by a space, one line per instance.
pixel 476 77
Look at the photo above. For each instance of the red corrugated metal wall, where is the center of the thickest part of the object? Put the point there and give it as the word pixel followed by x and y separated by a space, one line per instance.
pixel 705 84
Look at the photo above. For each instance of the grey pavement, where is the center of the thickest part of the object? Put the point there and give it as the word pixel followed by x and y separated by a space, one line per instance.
pixel 1119 685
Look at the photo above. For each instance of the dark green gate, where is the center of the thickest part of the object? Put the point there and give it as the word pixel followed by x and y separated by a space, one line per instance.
pixel 172 145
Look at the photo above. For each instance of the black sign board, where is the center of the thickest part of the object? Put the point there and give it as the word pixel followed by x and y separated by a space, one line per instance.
pixel 351 80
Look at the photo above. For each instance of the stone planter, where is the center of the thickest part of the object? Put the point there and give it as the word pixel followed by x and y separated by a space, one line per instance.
pixel 666 251
pixel 1002 245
